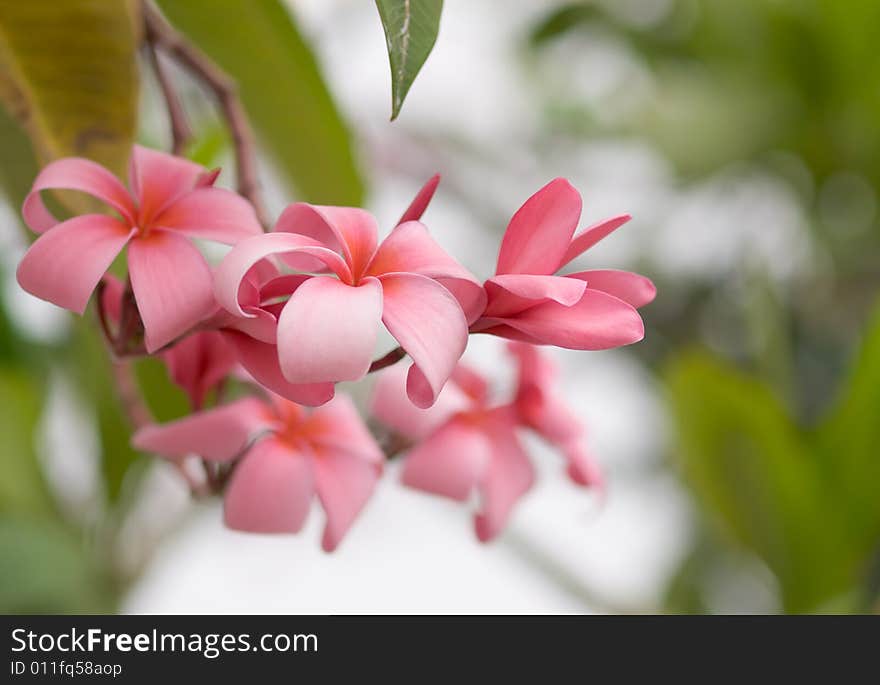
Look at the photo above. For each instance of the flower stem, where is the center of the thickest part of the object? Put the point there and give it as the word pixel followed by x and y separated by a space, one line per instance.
pixel 389 359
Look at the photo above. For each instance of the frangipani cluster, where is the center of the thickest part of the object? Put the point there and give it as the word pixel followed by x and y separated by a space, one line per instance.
pixel 296 310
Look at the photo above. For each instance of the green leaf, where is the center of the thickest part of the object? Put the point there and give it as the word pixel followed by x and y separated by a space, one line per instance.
pixel 68 72
pixel 258 44
pixel 753 472
pixel 410 32
pixel 165 400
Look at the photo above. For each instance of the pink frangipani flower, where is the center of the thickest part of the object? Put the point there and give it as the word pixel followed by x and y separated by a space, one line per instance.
pixel 465 443
pixel 588 310
pixel 286 455
pixel 170 201
pixel 327 328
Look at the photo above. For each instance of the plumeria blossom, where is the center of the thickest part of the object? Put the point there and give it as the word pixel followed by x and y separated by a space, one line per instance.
pixel 285 455
pixel 169 201
pixel 587 310
pixel 466 443
pixel 343 284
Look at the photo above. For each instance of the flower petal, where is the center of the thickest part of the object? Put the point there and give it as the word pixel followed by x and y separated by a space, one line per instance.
pixel 350 231
pixel 597 322
pixel 66 263
pixel 198 363
pixel 427 321
pixel 260 360
pixel 172 286
pixel 410 248
pixel 635 289
pixel 271 490
pixel 157 179
pixel 390 405
pixel 509 476
pixel 327 330
pixel 421 201
pixel 344 484
pixel 216 434
pixel 512 293
pixel 75 173
pixel 213 214
pixel 581 467
pixel 592 235
pixel 540 232
pixel 451 462
pixel 248 253
pixel 337 426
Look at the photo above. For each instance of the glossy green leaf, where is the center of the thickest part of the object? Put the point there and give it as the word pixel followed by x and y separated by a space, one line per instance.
pixel 756 477
pixel 289 105
pixel 411 28
pixel 68 72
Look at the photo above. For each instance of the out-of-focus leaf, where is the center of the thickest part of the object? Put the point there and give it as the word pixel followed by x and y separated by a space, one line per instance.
pixel 411 28
pixel 260 46
pixel 22 487
pixel 850 440
pixel 68 72
pixel 165 400
pixel 44 568
pixel 19 167
pixel 753 472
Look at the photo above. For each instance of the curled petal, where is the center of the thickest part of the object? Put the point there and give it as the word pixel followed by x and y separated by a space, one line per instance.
pixel 350 231
pixel 75 173
pixel 271 490
pixel 327 330
pixel 592 235
pixel 421 201
pixel 410 248
pixel 260 360
pixel 451 462
pixel 509 476
pixel 597 322
pixel 172 286
pixel 427 321
pixel 213 214
pixel 236 266
pixel 216 434
pixel 540 232
pixel 344 484
pixel 624 285
pixel 512 293
pixel 66 263
pixel 157 179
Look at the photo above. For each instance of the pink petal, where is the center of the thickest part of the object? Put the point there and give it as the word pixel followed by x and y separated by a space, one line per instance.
pixel 213 214
pixel 327 330
pixel 512 293
pixel 249 253
pixel 597 322
pixel 66 263
pixel 216 434
pixel 509 476
pixel 271 490
pixel 581 468
pixel 410 248
pixel 260 360
pixel 421 201
pixel 344 484
pixel 157 179
pixel 350 231
pixel 624 285
pixel 390 405
pixel 471 383
pixel 75 173
pixel 540 232
pixel 198 363
pixel 338 427
pixel 427 321
pixel 592 235
pixel 111 297
pixel 450 462
pixel 172 286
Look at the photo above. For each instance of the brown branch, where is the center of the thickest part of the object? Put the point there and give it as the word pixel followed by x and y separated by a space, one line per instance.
pixel 388 360
pixel 169 41
pixel 181 133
